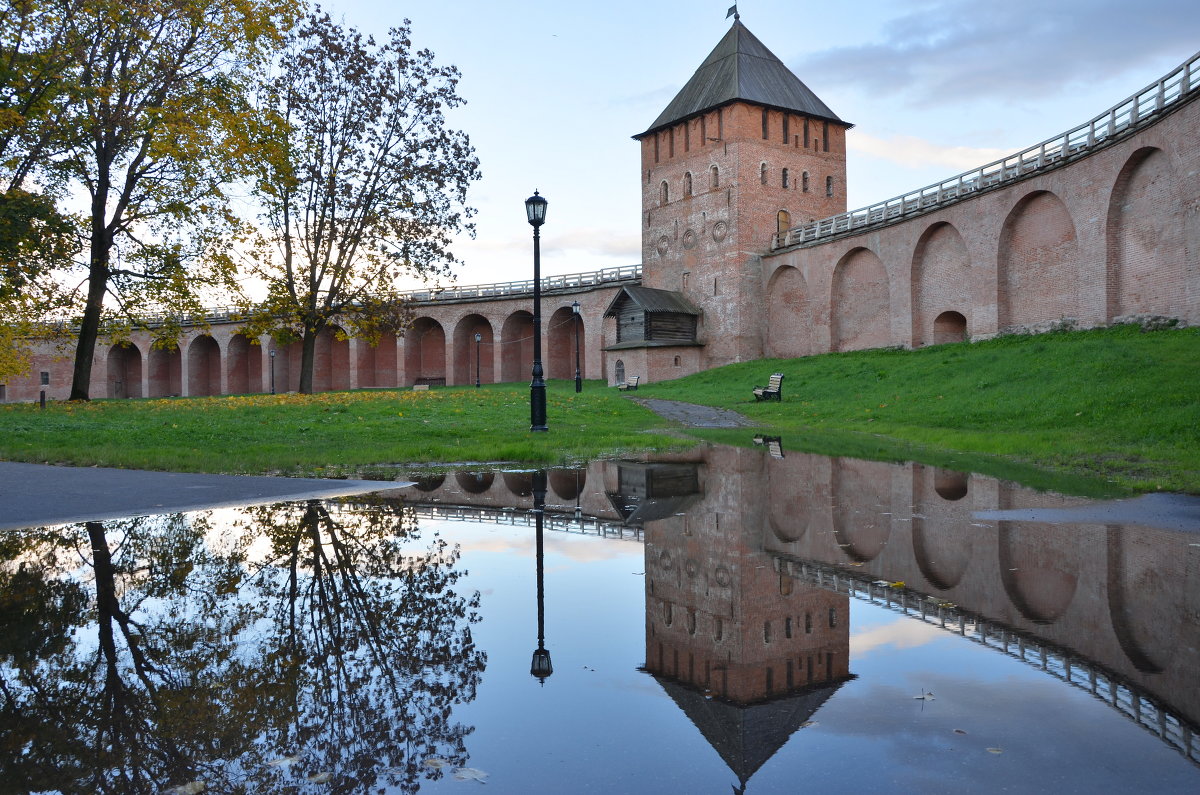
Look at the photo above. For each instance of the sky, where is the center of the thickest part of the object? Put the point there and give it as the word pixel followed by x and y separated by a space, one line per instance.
pixel 556 90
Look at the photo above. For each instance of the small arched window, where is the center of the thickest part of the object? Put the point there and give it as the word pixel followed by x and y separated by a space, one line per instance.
pixel 829 186
pixel 804 182
pixel 687 184
pixel 784 178
pixel 665 192
pixel 716 177
pixel 619 372
pixel 762 173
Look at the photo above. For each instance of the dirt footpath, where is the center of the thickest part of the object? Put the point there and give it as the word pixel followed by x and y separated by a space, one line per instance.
pixel 696 416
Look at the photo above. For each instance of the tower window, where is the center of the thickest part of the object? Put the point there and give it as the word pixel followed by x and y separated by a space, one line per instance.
pixel 721 124
pixel 762 173
pixel 716 177
pixel 766 124
pixel 671 142
pixel 784 178
pixel 687 184
pixel 666 192
pixel 825 136
pixel 806 136
pixel 703 132
pixel 687 136
pixel 655 148
pixel 804 182
pixel 786 127
pixel 829 186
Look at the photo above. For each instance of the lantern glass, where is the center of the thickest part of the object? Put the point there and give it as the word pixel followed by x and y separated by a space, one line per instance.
pixel 535 209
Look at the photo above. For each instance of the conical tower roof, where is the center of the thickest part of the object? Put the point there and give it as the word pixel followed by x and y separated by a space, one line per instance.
pixel 741 68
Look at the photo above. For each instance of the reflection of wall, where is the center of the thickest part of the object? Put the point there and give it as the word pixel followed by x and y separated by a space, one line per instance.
pixel 718 617
pixel 1127 599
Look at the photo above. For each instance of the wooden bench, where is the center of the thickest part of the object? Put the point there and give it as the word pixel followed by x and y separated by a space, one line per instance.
pixel 630 385
pixel 772 391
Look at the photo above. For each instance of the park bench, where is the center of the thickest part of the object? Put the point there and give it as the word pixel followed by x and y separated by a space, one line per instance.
pixel 772 391
pixel 630 385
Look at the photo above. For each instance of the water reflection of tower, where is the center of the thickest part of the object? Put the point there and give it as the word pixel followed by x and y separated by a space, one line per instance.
pixel 748 653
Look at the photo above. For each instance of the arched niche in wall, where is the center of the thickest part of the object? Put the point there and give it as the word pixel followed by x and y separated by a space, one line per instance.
pixel 204 366
pixel 1145 236
pixel 516 351
pixel 425 352
pixel 166 372
pixel 860 314
pixel 124 371
pixel 243 365
pixel 1037 264
pixel 941 281
pixel 789 315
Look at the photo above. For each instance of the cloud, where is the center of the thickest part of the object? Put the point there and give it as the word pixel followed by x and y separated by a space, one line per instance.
pixel 897 635
pixel 946 51
pixel 912 152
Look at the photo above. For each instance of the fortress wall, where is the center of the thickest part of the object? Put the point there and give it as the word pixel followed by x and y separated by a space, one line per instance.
pixel 1112 235
pixel 439 344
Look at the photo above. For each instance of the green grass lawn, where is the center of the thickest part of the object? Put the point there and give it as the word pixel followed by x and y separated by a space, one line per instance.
pixel 1118 404
pixel 1111 410
pixel 377 431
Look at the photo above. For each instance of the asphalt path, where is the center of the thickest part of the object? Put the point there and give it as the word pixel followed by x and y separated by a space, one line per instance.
pixel 35 495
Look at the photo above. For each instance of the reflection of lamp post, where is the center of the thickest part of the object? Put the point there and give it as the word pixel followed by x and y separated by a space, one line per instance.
pixel 541 666
pixel 535 210
pixel 478 339
pixel 272 371
pixel 578 379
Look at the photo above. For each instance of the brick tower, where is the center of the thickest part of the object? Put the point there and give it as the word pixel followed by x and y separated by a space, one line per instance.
pixel 743 151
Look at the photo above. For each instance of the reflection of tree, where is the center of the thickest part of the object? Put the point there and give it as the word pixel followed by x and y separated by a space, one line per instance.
pixel 152 652
pixel 369 644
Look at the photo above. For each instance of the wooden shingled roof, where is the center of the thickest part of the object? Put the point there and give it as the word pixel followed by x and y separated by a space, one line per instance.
pixel 741 68
pixel 652 301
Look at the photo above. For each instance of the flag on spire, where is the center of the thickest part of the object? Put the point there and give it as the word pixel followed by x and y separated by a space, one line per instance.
pixel 732 12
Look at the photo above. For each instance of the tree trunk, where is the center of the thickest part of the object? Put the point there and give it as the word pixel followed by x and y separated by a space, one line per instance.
pixel 89 328
pixel 308 356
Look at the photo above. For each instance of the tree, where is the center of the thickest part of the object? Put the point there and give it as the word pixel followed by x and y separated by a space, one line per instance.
pixel 36 40
pixel 151 120
pixel 361 183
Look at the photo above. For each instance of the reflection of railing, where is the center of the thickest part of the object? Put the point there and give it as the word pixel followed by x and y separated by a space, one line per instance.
pixel 1114 124
pixel 563 523
pixel 1060 663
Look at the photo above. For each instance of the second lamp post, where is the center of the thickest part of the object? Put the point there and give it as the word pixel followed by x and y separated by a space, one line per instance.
pixel 535 210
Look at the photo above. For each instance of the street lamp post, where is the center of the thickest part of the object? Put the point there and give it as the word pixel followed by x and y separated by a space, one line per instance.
pixel 578 378
pixel 478 339
pixel 272 371
pixel 535 210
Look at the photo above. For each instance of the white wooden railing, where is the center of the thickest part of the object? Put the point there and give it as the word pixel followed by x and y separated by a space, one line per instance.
pixel 1117 122
pixel 570 281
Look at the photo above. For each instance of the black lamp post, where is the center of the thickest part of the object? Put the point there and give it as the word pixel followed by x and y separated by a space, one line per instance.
pixel 272 371
pixel 535 210
pixel 541 666
pixel 578 378
pixel 478 339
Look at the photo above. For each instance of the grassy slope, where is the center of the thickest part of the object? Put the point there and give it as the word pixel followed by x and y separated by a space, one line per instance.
pixel 1116 403
pixel 332 432
pixel 1115 407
